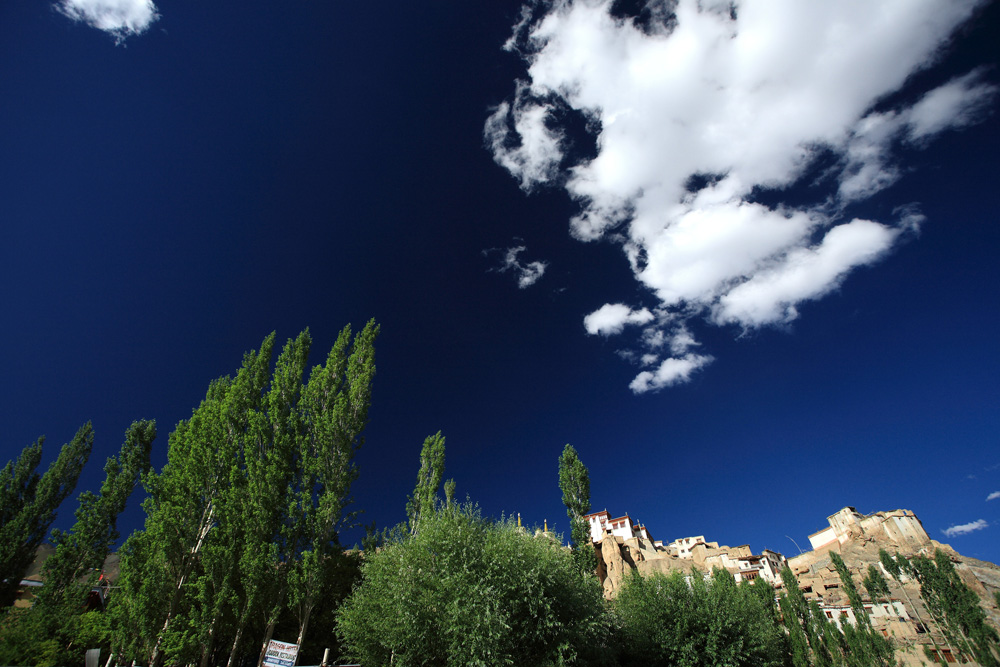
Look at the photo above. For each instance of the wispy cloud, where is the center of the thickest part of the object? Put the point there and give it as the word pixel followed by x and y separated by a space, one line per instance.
pixel 120 18
pixel 965 528
pixel 698 109
pixel 993 496
pixel 526 273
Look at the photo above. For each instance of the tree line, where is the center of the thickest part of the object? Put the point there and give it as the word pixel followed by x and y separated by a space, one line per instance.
pixel 241 545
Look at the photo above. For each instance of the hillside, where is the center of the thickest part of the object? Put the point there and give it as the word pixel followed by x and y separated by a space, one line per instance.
pixel 623 546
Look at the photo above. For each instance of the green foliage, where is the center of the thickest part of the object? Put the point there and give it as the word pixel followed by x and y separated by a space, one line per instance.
pixel 429 478
pixel 468 591
pixel 574 482
pixel 876 585
pixel 79 555
pixel 242 521
pixel 865 647
pixel 29 501
pixel 798 644
pixel 57 630
pixel 693 622
pixel 891 564
pixel 956 608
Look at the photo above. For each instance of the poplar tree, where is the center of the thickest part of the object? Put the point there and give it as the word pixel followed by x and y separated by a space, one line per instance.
pixel 876 585
pixel 56 628
pixel 261 511
pixel 333 412
pixel 163 567
pixel 574 482
pixel 29 501
pixel 429 476
pixel 956 608
pixel 70 572
pixel 865 646
pixel 243 520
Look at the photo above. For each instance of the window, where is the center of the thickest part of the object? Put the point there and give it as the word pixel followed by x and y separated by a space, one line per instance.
pixel 829 614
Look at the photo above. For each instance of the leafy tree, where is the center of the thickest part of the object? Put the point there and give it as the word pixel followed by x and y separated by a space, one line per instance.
pixel 334 409
pixel 429 478
pixel 865 647
pixel 679 621
pixel 876 585
pixel 72 569
pixel 574 482
pixel 897 566
pixel 808 645
pixel 798 644
pixel 465 590
pixel 243 519
pixel 956 608
pixel 56 630
pixel 29 501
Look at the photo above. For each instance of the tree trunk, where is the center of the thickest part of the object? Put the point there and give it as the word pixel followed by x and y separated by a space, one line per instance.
pixel 206 651
pixel 203 529
pixel 302 633
pixel 267 639
pixel 236 644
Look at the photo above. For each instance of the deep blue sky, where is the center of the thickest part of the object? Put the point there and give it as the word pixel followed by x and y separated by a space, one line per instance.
pixel 247 167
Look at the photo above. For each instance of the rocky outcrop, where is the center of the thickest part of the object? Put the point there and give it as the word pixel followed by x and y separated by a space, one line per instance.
pixel 614 564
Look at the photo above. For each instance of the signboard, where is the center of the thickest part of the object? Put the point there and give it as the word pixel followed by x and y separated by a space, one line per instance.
pixel 280 654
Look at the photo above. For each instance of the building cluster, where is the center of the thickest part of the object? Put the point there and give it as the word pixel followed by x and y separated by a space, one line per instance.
pixel 635 537
pixel 623 544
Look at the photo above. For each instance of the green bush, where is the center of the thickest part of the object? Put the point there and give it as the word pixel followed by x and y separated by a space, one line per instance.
pixel 465 590
pixel 693 622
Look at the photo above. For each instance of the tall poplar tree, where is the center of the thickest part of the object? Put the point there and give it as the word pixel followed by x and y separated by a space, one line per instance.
pixel 332 412
pixel 56 628
pixel 574 482
pixel 865 647
pixel 71 571
pixel 242 520
pixel 29 501
pixel 429 476
pixel 163 565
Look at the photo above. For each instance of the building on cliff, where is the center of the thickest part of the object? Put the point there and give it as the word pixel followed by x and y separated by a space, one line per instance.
pixel 682 546
pixel 624 547
pixel 898 527
pixel 601 524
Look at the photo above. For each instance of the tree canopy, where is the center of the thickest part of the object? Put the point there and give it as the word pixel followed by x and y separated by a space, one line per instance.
pixel 29 501
pixel 243 520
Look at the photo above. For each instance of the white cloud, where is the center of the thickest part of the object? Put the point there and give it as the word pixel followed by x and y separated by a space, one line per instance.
pixel 993 496
pixel 121 18
pixel 802 274
pixel 671 372
pixel 965 528
pixel 698 111
pixel 611 318
pixel 955 104
pixel 526 273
